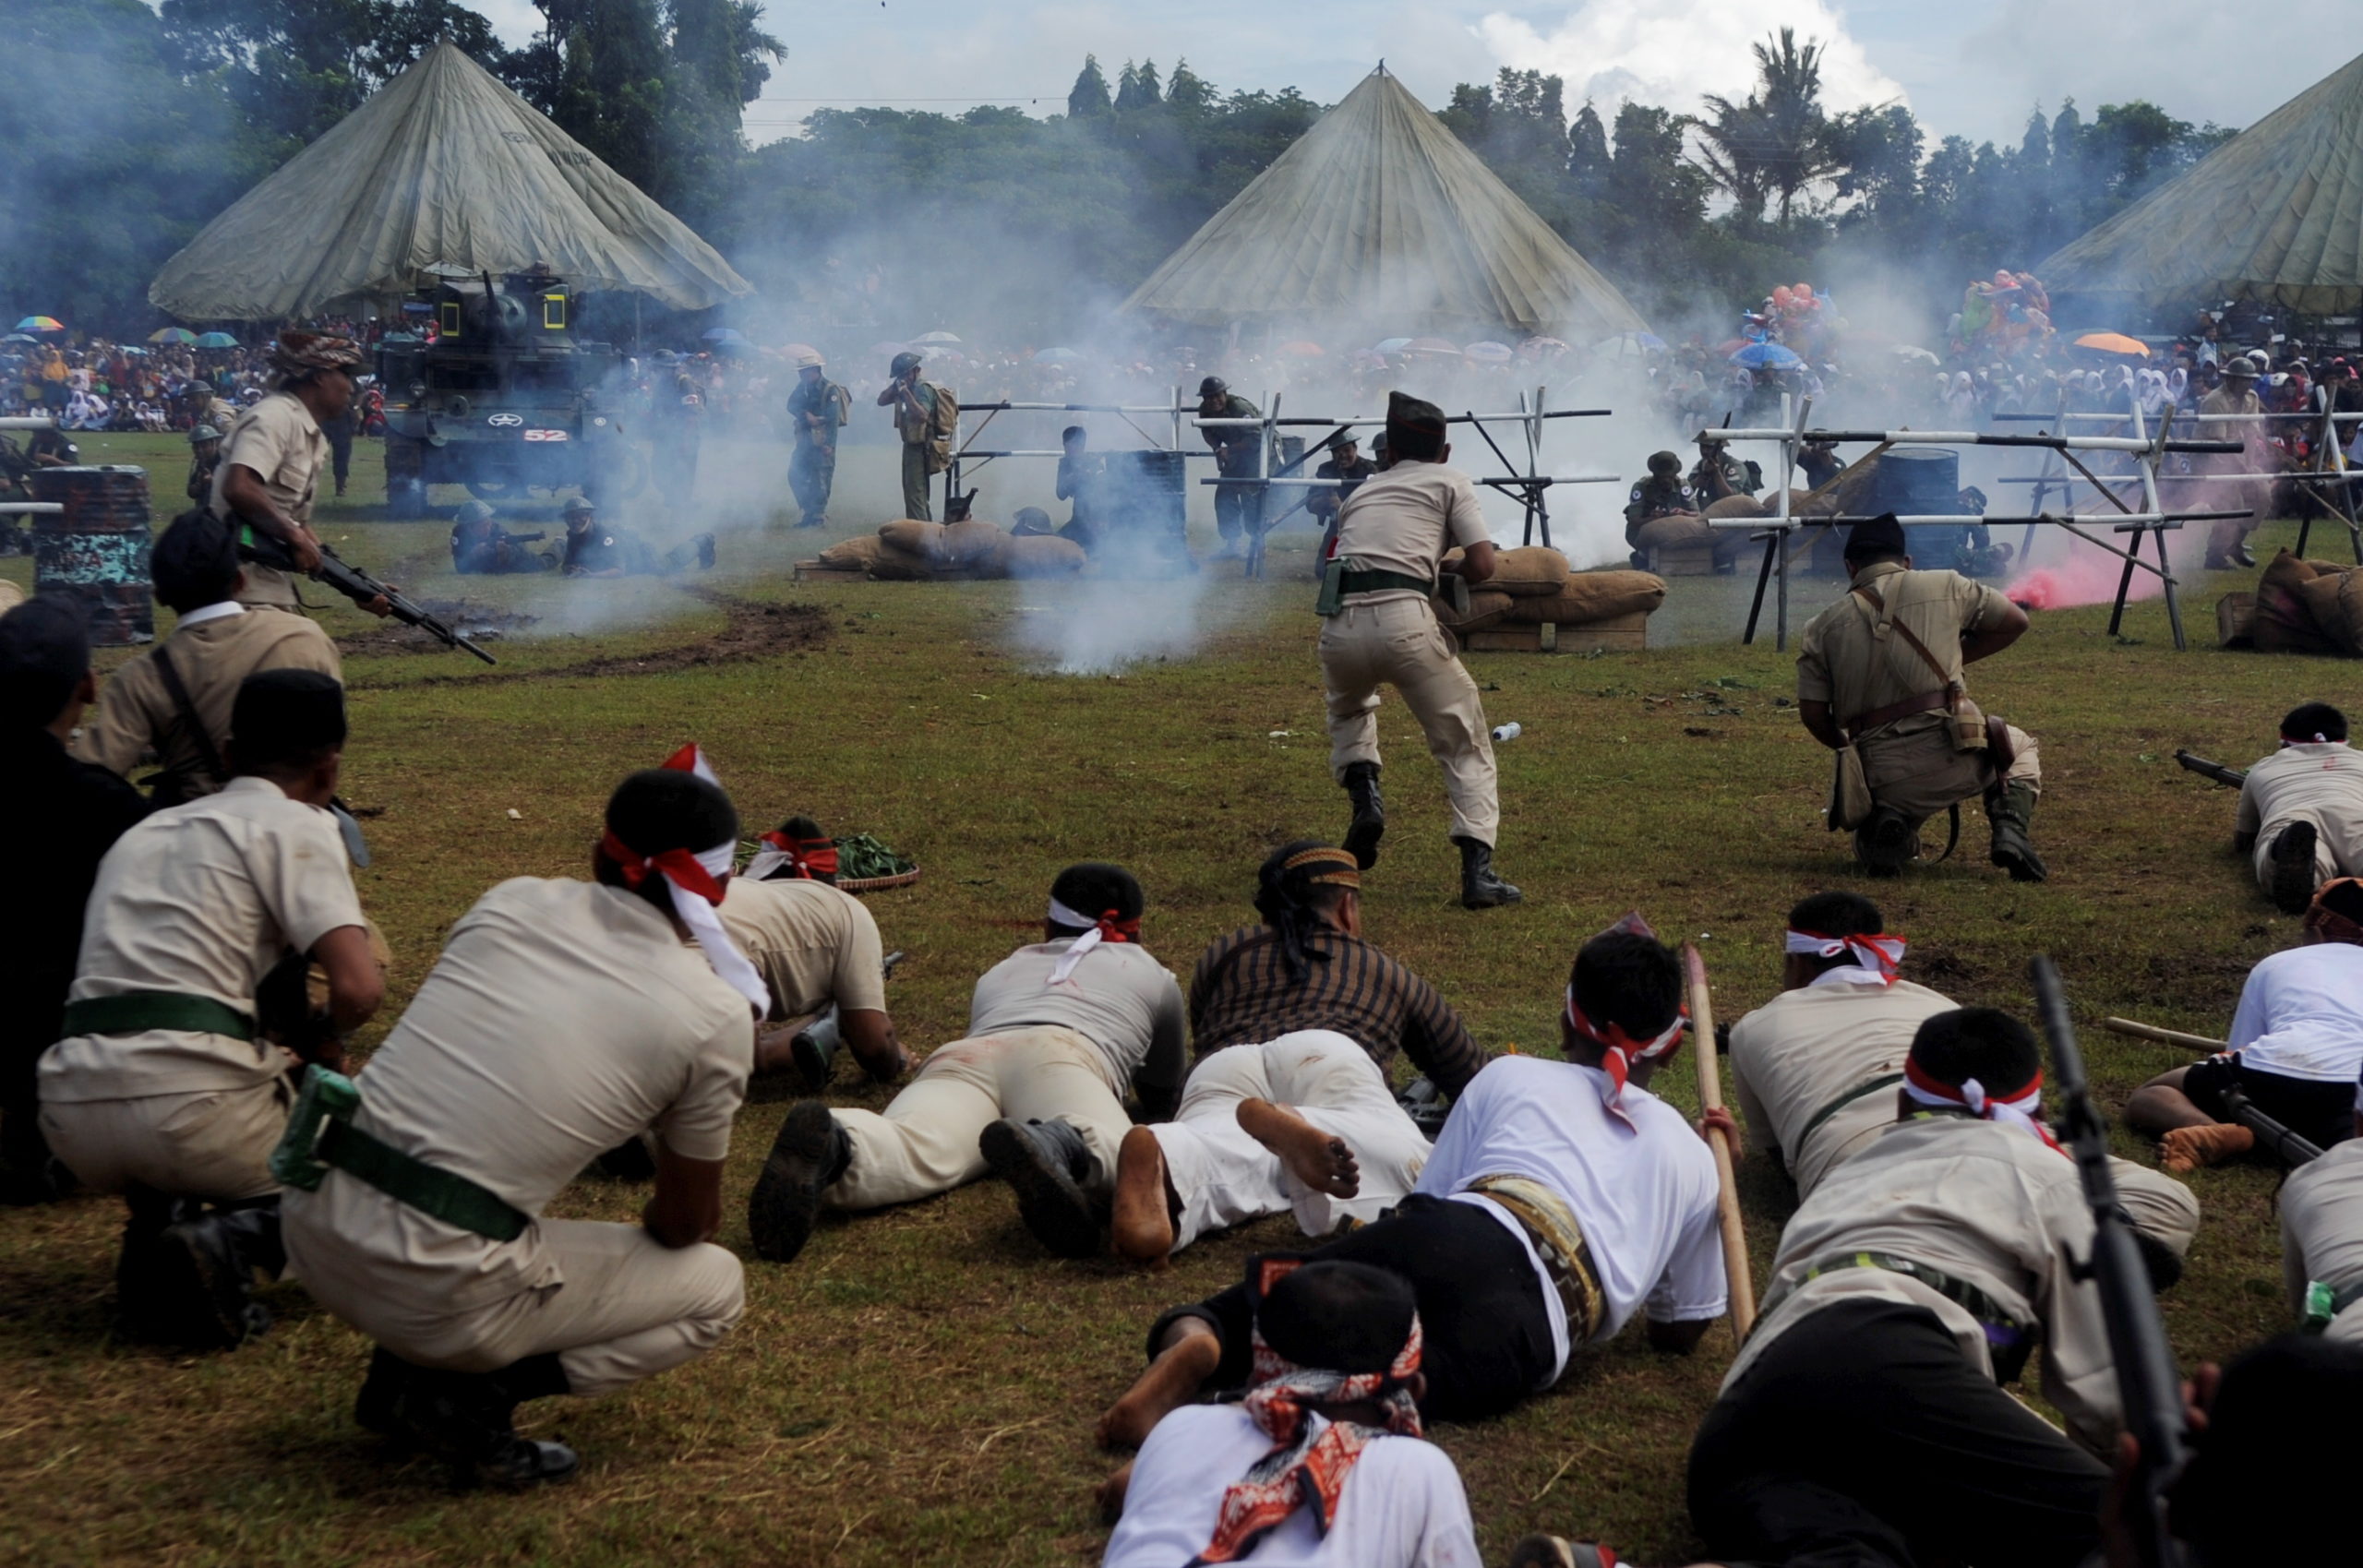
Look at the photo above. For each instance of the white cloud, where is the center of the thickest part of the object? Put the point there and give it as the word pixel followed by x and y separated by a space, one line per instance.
pixel 1673 51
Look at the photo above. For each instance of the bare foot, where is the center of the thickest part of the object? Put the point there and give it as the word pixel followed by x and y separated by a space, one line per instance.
pixel 2185 1149
pixel 1141 1224
pixel 1172 1380
pixel 1110 1494
pixel 1320 1160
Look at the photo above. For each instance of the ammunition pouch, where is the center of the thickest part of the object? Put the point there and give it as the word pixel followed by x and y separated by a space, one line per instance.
pixel 321 1137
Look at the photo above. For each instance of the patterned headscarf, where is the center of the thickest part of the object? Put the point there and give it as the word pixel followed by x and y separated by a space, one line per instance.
pixel 1303 1468
pixel 2326 922
pixel 300 354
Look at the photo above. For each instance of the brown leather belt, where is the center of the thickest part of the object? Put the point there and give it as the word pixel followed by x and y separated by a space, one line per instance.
pixel 1927 702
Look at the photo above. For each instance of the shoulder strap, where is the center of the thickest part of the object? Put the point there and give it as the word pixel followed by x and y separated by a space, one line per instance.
pixel 206 751
pixel 1909 635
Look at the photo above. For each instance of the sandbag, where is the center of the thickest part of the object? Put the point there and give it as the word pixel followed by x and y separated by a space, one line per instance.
pixel 1738 506
pixel 1530 568
pixel 912 537
pixel 857 553
pixel 1592 596
pixel 1044 555
pixel 893 565
pixel 973 547
pixel 1673 533
pixel 10 597
pixel 1487 607
pixel 2289 619
pixel 2348 628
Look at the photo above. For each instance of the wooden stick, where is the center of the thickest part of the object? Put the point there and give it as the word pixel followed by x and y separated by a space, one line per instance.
pixel 2164 1037
pixel 1711 1097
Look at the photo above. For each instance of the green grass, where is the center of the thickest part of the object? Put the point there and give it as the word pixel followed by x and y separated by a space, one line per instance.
pixel 920 1387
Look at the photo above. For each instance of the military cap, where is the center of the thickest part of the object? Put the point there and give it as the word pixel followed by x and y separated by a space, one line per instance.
pixel 809 362
pixel 1665 463
pixel 1882 535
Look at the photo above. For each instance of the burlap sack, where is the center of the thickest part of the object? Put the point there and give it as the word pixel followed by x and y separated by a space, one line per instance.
pixel 893 565
pixel 1738 506
pixel 1045 555
pixel 10 597
pixel 924 540
pixel 1592 596
pixel 1486 607
pixel 1529 569
pixel 2289 619
pixel 1672 532
pixel 857 553
pixel 973 549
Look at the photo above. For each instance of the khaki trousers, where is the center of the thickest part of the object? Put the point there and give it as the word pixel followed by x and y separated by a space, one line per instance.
pixel 214 1144
pixel 1397 642
pixel 2338 846
pixel 1225 1177
pixel 926 1141
pixel 1919 774
pixel 915 477
pixel 626 1308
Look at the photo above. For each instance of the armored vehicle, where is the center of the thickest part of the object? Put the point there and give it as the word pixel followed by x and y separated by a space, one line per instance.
pixel 503 396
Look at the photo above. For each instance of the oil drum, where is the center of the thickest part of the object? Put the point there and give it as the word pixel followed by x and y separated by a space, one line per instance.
pixel 96 550
pixel 1923 482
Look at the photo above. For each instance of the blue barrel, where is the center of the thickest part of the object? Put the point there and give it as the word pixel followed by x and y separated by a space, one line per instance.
pixel 1149 491
pixel 1921 482
pixel 96 550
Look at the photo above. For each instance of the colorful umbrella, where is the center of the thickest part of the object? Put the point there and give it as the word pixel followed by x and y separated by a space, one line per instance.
pixel 217 341
pixel 1431 345
pixel 1303 349
pixel 1489 353
pixel 18 338
pixel 723 335
pixel 2114 342
pixel 41 324
pixel 935 338
pixel 1766 357
pixel 171 335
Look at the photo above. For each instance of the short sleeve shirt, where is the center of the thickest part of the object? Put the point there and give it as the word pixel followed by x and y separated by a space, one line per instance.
pixel 2315 781
pixel 136 715
pixel 2301 1013
pixel 1408 517
pixel 1118 998
pixel 811 944
pixel 280 440
pixel 2321 1230
pixel 1852 660
pixel 202 900
pixel 1796 1058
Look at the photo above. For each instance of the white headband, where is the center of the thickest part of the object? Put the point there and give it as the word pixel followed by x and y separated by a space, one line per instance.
pixel 701 917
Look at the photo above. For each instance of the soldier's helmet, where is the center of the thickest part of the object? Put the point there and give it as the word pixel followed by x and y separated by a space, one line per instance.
pixel 579 506
pixel 1665 463
pixel 904 363
pixel 1213 386
pixel 809 362
pixel 203 434
pixel 473 511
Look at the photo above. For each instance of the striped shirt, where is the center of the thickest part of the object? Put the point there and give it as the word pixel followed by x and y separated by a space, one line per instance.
pixel 1241 995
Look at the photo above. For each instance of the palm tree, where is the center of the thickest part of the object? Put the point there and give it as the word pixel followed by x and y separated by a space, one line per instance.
pixel 1777 143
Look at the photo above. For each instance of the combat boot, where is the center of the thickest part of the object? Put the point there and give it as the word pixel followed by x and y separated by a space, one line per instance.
pixel 1886 842
pixel 810 1153
pixel 1361 781
pixel 2010 811
pixel 2292 868
pixel 463 1418
pixel 1480 886
pixel 1045 1164
pixel 204 1284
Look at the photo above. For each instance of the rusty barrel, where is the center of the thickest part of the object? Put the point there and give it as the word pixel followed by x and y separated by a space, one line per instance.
pixel 96 550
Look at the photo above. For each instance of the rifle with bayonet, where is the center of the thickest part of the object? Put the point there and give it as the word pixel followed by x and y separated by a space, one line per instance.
pixel 2149 1387
pixel 361 588
pixel 2231 778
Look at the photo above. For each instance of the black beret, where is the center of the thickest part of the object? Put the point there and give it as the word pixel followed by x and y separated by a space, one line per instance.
pixel 1882 535
pixel 44 652
pixel 195 561
pixel 283 714
pixel 661 808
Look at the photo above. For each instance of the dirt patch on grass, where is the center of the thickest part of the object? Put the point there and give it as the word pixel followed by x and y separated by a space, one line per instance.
pixel 478 623
pixel 753 631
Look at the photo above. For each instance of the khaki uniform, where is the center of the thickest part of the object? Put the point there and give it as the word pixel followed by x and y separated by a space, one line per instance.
pixel 1225 1177
pixel 1982 1202
pixel 1816 1073
pixel 2322 1232
pixel 1850 659
pixel 279 439
pixel 927 444
pixel 812 944
pixel 201 901
pixel 563 1019
pixel 138 718
pixel 2224 537
pixel 1033 1051
pixel 1404 520
pixel 2320 783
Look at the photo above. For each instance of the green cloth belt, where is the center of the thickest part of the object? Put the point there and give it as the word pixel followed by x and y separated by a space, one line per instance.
pixel 1383 582
pixel 1885 1079
pixel 439 1194
pixel 134 1013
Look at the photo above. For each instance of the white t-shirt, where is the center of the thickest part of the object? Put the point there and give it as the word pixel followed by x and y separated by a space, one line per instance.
pixel 1644 1195
pixel 2301 1013
pixel 1402 1507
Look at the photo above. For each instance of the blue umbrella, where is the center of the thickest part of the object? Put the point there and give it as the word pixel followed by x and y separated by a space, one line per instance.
pixel 1766 357
pixel 723 335
pixel 217 341
pixel 1390 345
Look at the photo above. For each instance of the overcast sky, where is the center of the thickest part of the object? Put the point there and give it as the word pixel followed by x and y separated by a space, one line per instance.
pixel 1972 71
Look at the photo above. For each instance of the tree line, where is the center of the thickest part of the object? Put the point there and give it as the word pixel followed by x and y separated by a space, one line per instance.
pixel 132 126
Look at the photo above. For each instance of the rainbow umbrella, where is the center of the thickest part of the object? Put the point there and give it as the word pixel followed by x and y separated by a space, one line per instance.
pixel 41 324
pixel 217 341
pixel 171 335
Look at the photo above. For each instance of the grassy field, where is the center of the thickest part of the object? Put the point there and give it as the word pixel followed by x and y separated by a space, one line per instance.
pixel 920 1386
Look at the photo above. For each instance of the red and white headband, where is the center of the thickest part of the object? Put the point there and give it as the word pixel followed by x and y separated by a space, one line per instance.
pixel 2021 1109
pixel 695 880
pixel 1105 927
pixel 1879 956
pixel 1622 1050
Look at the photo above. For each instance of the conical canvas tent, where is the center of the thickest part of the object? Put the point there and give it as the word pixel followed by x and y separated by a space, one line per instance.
pixel 1378 214
pixel 444 169
pixel 2275 215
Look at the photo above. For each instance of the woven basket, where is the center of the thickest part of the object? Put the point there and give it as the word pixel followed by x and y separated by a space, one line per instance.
pixel 878 884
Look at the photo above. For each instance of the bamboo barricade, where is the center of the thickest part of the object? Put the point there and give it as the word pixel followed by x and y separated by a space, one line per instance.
pixel 2162 1036
pixel 1711 1097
